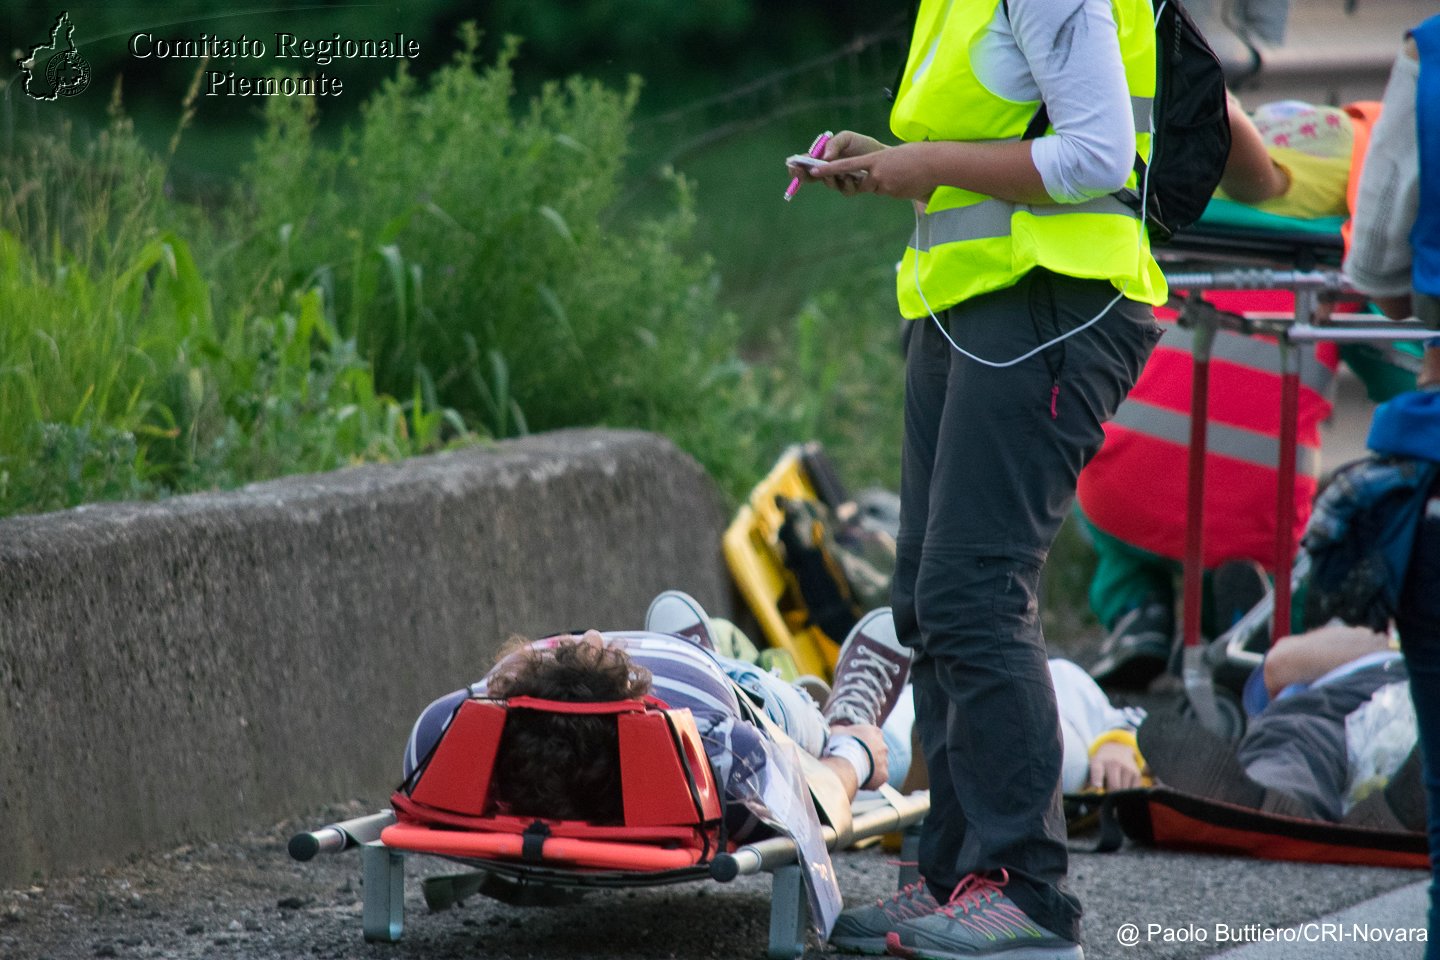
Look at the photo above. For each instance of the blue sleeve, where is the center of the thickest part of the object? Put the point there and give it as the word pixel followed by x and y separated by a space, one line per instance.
pixel 428 727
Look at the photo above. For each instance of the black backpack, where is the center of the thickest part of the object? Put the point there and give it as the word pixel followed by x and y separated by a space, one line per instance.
pixel 1360 537
pixel 1192 126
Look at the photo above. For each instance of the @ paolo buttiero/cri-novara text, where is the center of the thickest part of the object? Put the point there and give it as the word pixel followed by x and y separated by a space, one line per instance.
pixel 286 50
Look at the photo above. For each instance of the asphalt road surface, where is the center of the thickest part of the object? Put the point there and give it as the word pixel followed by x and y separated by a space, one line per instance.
pixel 246 900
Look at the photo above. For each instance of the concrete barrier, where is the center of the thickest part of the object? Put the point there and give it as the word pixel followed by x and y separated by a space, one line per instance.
pixel 175 670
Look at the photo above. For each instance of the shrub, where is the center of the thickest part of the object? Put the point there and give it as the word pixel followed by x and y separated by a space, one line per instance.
pixel 474 247
pixel 470 256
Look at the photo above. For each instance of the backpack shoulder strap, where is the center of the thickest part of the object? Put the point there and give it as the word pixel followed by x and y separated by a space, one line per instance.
pixel 1041 120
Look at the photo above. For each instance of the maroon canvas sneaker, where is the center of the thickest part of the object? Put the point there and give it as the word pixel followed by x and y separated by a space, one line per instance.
pixel 870 673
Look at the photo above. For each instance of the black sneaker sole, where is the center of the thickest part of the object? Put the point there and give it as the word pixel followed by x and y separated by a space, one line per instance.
pixel 1187 757
pixel 1069 952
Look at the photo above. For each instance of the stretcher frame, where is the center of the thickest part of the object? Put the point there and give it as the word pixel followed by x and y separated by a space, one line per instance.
pixel 383 867
pixel 1249 260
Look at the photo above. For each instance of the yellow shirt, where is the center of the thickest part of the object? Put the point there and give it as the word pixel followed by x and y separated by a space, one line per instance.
pixel 1312 144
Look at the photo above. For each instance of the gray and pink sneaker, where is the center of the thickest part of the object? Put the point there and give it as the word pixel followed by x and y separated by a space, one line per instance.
pixel 979 921
pixel 870 674
pixel 864 929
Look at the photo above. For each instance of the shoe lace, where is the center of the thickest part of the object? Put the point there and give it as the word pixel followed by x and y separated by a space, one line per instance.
pixel 911 900
pixel 858 696
pixel 972 904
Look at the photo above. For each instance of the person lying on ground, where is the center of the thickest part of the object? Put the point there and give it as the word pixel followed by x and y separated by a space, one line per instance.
pixel 1100 750
pixel 1333 738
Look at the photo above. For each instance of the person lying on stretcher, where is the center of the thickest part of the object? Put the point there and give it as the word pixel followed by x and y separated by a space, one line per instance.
pixel 569 773
pixel 566 766
pixel 870 683
pixel 1293 159
pixel 771 748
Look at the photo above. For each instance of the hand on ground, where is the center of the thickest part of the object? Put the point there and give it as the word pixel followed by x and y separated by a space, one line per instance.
pixel 1113 767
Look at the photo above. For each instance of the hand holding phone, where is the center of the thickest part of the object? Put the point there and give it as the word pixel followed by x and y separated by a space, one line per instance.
pixel 816 167
pixel 804 160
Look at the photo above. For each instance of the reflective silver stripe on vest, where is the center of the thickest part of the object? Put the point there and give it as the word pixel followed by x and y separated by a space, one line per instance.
pixel 1220 438
pixel 1255 354
pixel 989 219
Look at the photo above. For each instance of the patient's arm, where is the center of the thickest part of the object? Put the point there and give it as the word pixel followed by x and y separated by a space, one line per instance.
pixel 1250 175
pixel 842 769
pixel 874 742
pixel 1308 656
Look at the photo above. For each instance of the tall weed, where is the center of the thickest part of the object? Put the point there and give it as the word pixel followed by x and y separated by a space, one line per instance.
pixel 457 265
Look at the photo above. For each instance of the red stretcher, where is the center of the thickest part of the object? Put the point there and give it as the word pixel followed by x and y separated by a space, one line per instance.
pixel 672 831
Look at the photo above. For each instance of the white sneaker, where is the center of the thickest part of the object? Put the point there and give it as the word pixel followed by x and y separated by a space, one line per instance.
pixel 870 673
pixel 678 613
pixel 816 687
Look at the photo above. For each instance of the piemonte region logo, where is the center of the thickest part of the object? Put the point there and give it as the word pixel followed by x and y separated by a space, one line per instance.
pixel 65 70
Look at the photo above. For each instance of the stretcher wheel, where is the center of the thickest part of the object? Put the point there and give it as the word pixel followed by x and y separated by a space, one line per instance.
pixel 1230 714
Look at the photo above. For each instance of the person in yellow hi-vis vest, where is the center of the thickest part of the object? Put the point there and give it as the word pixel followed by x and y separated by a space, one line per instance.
pixel 1031 289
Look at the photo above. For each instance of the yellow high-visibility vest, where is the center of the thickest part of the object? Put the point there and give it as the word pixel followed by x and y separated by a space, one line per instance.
pixel 966 243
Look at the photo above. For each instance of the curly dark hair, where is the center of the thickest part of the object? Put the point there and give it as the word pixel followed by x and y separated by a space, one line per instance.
pixel 564 766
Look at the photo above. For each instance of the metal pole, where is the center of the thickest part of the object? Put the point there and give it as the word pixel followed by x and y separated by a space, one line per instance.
pixel 1258 279
pixel 896 813
pixel 1306 302
pixel 1199 684
pixel 340 836
pixel 1204 339
pixel 1391 331
pixel 1285 494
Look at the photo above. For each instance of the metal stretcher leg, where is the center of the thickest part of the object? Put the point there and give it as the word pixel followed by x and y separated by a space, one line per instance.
pixel 384 879
pixel 1285 493
pixel 1199 684
pixel 788 913
pixel 1194 570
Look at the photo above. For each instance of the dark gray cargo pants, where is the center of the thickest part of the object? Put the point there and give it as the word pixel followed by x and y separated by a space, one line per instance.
pixel 987 476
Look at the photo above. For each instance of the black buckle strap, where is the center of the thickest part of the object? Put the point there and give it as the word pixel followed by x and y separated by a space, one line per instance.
pixel 532 842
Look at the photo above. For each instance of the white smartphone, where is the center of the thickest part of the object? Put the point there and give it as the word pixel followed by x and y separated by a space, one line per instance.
pixel 805 160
